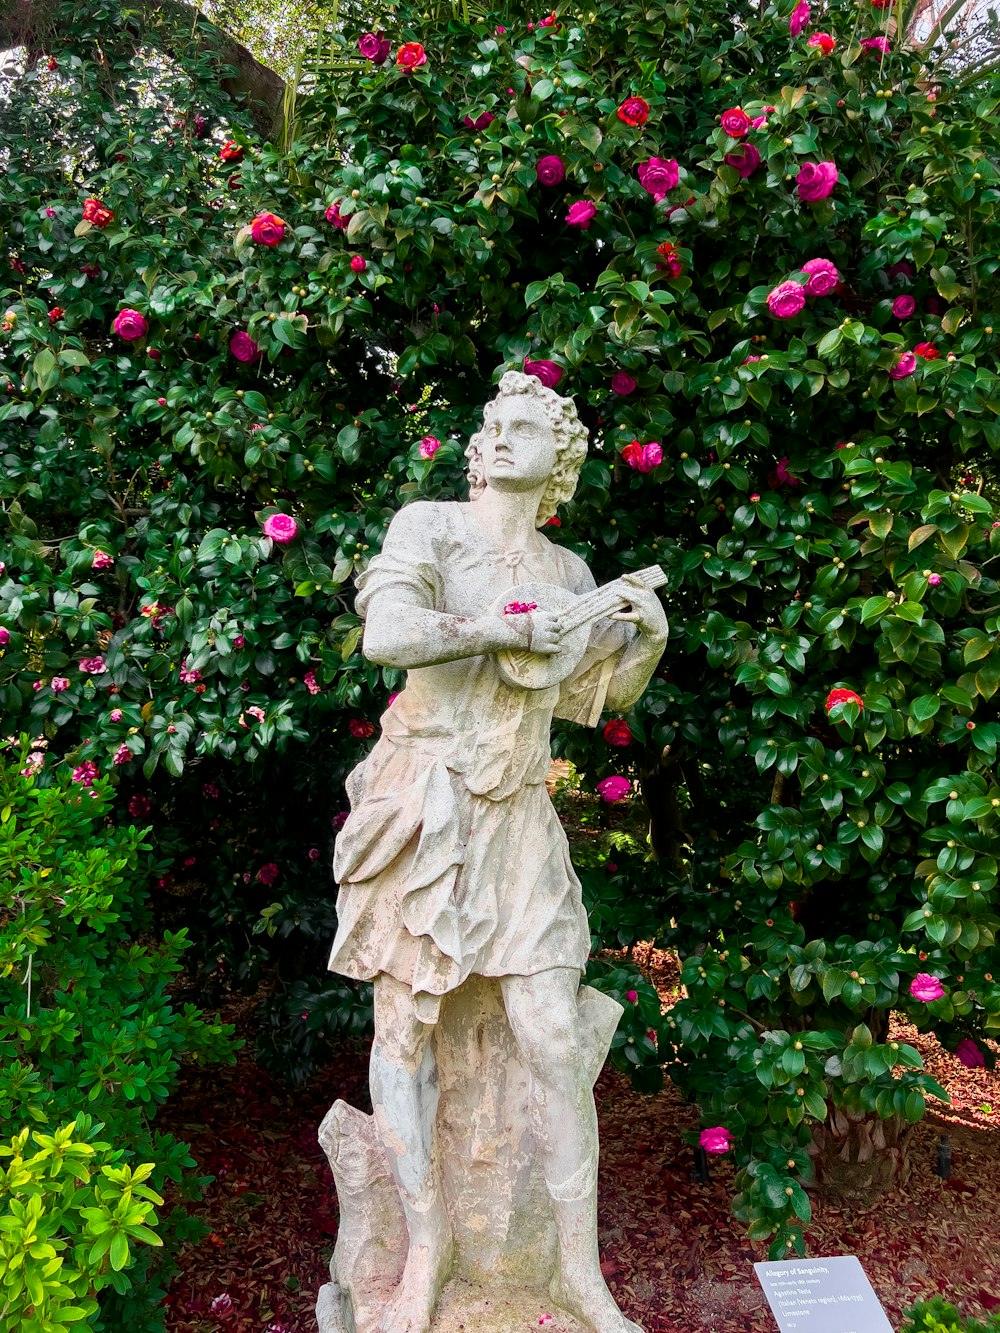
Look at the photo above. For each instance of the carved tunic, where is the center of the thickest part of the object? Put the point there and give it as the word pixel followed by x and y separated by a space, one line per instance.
pixel 453 860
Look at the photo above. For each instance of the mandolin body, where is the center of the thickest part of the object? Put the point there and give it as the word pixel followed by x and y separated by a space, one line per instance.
pixel 540 671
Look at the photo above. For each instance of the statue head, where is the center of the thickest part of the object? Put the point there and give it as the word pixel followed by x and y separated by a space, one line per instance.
pixel 570 435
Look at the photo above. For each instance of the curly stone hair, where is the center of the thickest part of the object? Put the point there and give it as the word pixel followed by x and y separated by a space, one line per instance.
pixel 571 442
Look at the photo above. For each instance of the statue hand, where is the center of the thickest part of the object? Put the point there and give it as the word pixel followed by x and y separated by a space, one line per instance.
pixel 546 632
pixel 645 610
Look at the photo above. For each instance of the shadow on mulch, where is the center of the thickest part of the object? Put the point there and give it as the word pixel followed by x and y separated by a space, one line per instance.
pixel 674 1257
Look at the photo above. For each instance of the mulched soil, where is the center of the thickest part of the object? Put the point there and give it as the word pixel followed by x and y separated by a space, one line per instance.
pixel 674 1257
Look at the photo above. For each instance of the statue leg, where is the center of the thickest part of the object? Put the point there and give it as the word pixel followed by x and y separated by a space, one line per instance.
pixel 404 1089
pixel 543 1015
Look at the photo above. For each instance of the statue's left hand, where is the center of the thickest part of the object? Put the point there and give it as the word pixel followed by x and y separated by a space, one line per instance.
pixel 645 609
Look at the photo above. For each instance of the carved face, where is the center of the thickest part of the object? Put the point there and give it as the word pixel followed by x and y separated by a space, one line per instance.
pixel 519 446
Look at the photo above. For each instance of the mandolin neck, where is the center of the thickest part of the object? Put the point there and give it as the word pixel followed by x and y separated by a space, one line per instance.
pixel 612 597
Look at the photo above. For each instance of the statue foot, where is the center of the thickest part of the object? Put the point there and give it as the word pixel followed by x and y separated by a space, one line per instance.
pixel 412 1305
pixel 586 1296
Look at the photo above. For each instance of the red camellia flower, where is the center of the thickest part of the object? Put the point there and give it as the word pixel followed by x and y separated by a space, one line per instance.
pixel 267 229
pixel 231 151
pixel 634 111
pixel 96 213
pixel 410 56
pixel 823 40
pixel 55 313
pixel 547 371
pixel 482 122
pixel 836 697
pixel 360 729
pixel 618 732
pixel 51 66
pixel 927 351
pixel 735 122
pixel 657 175
pixel 622 384
pixel 335 218
pixel 669 259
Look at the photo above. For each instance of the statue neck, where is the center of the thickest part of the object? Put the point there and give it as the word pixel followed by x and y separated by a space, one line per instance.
pixel 508 517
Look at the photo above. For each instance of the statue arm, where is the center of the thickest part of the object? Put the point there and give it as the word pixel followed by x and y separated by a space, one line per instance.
pixel 641 657
pixel 401 633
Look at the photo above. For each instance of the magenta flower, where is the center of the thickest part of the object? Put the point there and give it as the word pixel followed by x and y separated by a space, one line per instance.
pixel 309 681
pixel 122 755
pixel 926 988
pixel 581 214
pixel 904 367
pixel 934 579
pixel 903 306
pixel 58 684
pixel 718 1139
pixel 268 874
pixel 782 473
pixel 358 263
pixel 222 1304
pixel 632 996
pixel 374 46
pixel 786 300
pixel 243 348
pixel 281 528
pixel 93 666
pixel 429 446
pixel 879 44
pixel 139 806
pixel 115 715
pixel 799 19
pixel 622 384
pixel 744 159
pixel 4 636
pixel 130 325
pixel 267 229
pixel 550 170
pixel 102 560
pixel 657 175
pixel 482 122
pixel 735 122
pixel 815 181
pixel 547 371
pixel 613 789
pixel 970 1054
pixel 85 774
pixel 823 277
pixel 652 456
pixel 335 218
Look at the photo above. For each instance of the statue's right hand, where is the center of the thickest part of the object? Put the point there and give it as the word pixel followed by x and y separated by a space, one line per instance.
pixel 546 632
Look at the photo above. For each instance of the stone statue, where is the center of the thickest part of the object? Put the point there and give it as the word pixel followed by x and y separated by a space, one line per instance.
pixel 457 897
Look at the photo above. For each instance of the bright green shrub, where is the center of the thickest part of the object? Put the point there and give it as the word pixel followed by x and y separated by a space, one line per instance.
pixel 937 1316
pixel 825 504
pixel 91 1047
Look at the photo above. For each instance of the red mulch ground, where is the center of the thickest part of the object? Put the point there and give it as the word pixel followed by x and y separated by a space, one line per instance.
pixel 674 1257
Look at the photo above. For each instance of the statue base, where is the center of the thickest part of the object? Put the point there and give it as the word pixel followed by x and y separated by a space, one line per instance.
pixel 500 1211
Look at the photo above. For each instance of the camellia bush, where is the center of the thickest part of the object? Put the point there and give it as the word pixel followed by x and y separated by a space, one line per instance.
pixel 760 251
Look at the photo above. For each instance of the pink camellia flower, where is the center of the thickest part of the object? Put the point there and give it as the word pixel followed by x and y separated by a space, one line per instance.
pixel 783 475
pixel 358 263
pixel 93 666
pixel 618 732
pixel 360 728
pixel 411 56
pixel 374 46
pixel 429 446
pixel 622 384
pixel 335 218
pixel 339 820
pixel 934 579
pixel 34 762
pixel 50 212
pixel 267 229
pixel 115 715
pixel 58 683
pixel 189 676
pixel 267 874
pixel 547 371
pixel 519 608
pixel 926 988
pixel 392 698
pixel 657 175
pixel 310 682
pixel 718 1139
pixel 823 40
pixel 799 19
pixel 122 755
pixel 102 560
pixel 482 122
pixel 281 528
pixel 903 306
pixel 837 697
pixel 130 325
pixel 786 300
pixel 613 789
pixel 85 774
pixel 38 685
pixel 500 30
pixel 239 641
pixel 904 367
pixel 970 1054
pixel 815 181
pixel 652 456
pixel 632 996
pixel 153 353
pixel 243 348
pixel 823 277
pixel 254 711
pixel 634 111
pixel 735 122
pixel 550 170
pixel 879 44
pixel 581 214
pixel 222 1304
pixel 744 159
pixel 4 636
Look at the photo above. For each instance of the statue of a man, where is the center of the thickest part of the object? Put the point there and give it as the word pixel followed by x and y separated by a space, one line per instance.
pixel 453 861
